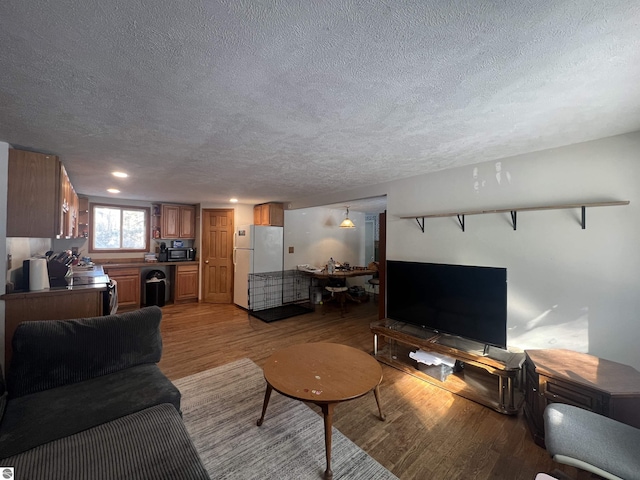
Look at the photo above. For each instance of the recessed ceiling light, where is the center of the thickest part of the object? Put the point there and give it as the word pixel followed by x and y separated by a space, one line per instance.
pixel 120 174
pixel 233 200
pixel 113 190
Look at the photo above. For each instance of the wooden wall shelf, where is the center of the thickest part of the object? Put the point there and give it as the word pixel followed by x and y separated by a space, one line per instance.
pixel 514 212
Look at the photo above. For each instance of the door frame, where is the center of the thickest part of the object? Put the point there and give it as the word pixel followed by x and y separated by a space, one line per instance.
pixel 201 262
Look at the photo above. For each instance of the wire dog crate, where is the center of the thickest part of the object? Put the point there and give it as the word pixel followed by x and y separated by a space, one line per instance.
pixel 278 295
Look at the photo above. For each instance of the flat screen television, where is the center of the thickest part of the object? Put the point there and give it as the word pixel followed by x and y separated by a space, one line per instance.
pixel 467 301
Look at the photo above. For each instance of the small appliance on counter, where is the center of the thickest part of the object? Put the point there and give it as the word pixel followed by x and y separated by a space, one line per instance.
pixel 35 274
pixel 181 254
pixel 48 271
pixel 58 268
pixel 162 256
pixel 58 272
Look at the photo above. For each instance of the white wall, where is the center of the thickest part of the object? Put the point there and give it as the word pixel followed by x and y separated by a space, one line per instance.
pixel 567 287
pixel 243 214
pixel 315 236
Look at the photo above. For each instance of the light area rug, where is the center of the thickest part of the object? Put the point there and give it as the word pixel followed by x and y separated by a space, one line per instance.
pixel 220 408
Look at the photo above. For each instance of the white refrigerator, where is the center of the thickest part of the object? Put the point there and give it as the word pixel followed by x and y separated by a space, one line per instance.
pixel 256 249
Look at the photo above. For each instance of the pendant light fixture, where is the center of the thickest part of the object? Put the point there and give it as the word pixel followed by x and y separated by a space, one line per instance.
pixel 347 223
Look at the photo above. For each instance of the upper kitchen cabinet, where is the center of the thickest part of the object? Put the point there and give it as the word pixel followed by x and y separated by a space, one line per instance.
pixel 83 217
pixel 170 221
pixel 269 214
pixel 69 207
pixel 41 201
pixel 187 221
pixel 178 221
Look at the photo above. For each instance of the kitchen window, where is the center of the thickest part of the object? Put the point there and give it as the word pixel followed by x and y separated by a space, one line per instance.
pixel 119 228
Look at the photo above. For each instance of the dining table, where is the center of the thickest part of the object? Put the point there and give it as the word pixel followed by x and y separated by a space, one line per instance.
pixel 352 272
pixel 339 292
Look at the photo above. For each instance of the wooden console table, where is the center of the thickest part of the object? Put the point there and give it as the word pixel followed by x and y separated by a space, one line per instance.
pixel 490 376
pixel 563 376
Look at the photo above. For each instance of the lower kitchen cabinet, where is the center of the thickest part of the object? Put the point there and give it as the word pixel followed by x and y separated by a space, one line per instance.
pixel 563 376
pixel 183 281
pixel 186 283
pixel 128 288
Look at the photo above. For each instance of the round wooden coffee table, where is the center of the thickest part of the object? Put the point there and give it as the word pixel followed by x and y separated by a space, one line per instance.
pixel 324 374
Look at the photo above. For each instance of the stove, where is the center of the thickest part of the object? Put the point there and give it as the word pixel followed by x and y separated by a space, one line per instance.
pixel 87 280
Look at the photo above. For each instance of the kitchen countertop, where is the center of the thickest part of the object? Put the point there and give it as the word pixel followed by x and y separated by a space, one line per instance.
pixel 53 291
pixel 100 279
pixel 79 280
pixel 121 264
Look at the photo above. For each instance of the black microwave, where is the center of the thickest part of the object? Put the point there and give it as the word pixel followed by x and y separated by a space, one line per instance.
pixel 181 254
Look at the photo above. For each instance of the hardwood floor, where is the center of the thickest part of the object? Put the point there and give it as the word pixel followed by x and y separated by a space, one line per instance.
pixel 429 433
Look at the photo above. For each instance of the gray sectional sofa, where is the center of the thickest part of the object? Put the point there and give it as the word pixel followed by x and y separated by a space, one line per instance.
pixel 85 399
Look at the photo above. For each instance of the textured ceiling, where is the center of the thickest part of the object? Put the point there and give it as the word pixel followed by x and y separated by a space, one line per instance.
pixel 202 100
pixel 364 205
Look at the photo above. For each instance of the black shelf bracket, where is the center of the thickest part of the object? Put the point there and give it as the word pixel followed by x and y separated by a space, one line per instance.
pixel 421 225
pixel 461 221
pixel 514 218
pixel 584 217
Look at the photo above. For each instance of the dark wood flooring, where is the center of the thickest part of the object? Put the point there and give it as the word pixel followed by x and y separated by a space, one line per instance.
pixel 429 433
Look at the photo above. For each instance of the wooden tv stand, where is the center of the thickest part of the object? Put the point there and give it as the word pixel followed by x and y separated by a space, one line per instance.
pixel 488 375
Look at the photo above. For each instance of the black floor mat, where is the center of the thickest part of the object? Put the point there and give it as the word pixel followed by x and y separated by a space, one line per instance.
pixel 282 312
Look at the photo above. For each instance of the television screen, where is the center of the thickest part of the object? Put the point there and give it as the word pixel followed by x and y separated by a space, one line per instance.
pixel 467 301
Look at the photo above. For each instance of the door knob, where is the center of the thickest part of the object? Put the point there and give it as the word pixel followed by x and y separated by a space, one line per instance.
pixel 206 261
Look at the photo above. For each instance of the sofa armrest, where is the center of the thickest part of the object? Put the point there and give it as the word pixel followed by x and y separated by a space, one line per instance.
pixel 52 353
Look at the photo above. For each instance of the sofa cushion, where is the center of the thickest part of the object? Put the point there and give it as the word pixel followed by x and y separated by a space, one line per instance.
pixel 42 417
pixel 51 353
pixel 152 443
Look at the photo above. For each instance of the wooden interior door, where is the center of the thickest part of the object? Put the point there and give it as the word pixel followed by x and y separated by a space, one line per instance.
pixel 217 255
